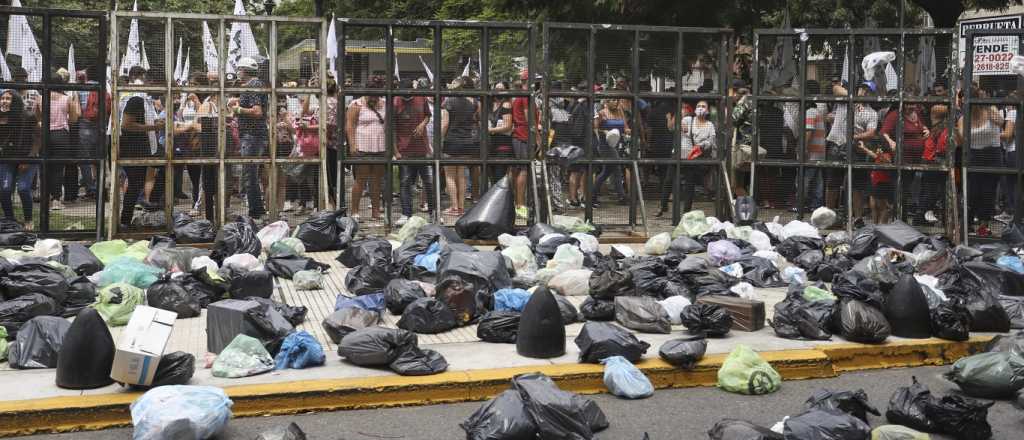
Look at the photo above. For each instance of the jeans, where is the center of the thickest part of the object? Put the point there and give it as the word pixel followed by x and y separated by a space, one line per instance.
pixel 62 174
pixel 614 171
pixel 253 146
pixel 409 174
pixel 10 177
pixel 1010 184
pixel 814 184
pixel 88 144
pixel 981 195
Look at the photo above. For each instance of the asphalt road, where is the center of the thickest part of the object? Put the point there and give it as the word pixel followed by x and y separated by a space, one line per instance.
pixel 669 414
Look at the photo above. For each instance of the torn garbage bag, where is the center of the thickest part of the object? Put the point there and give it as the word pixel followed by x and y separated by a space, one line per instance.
pixel 743 371
pixel 504 417
pixel 180 412
pixel 348 320
pixel 498 327
pixel 906 309
pixel 427 316
pixel 558 414
pixel 86 353
pixel 624 379
pixel 286 265
pixel 642 313
pixel 854 403
pixel 170 294
pixel 468 280
pixel 399 293
pixel 684 352
pixel 375 346
pixel 299 350
pixel 238 236
pixel 599 340
pixel 598 309
pixel 993 375
pixel 907 407
pixel 244 356
pixel 820 424
pixel 960 417
pixel 733 429
pixel 38 344
pixel 541 331
pixel 493 215
pixel 415 361
pixel 709 319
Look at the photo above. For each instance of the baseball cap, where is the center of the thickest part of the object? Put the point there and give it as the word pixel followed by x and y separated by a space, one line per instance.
pixel 248 63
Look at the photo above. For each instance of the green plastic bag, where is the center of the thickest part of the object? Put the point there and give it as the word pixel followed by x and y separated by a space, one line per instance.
pixel 107 251
pixel 992 375
pixel 64 270
pixel 693 224
pixel 138 250
pixel 740 233
pixel 244 356
pixel 286 245
pixel 116 302
pixel 3 343
pixel 127 270
pixel 745 372
pixel 897 432
pixel 572 224
pixel 812 293
pixel 410 228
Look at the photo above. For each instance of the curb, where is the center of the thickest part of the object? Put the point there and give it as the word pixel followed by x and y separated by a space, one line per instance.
pixel 94 412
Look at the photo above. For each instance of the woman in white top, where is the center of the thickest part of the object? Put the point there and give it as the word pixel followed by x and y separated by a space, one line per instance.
pixel 698 141
pixel 985 151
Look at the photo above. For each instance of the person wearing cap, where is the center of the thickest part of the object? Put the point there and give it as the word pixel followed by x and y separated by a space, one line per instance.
pixel 364 126
pixel 250 110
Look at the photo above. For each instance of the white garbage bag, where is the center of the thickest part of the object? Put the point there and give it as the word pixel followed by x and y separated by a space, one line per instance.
pixel 273 232
pixel 180 412
pixel 658 244
pixel 797 228
pixel 507 240
pixel 823 218
pixel 571 283
pixel 588 243
pixel 674 306
pixel 244 262
pixel 746 291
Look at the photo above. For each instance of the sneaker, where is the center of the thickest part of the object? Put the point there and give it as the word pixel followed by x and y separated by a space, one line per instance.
pixel 288 206
pixel 56 205
pixel 575 204
pixel 401 220
pixel 930 217
pixel 1004 217
pixel 523 212
pixel 424 208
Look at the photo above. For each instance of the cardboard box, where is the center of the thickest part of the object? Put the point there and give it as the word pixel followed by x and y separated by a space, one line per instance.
pixel 141 345
pixel 747 315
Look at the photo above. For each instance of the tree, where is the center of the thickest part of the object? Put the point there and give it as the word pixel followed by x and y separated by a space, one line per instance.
pixel 945 13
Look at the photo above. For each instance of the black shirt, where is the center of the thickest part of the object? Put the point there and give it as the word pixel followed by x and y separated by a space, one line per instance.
pixel 253 125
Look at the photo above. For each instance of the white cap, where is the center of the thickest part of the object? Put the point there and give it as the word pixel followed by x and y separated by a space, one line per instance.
pixel 247 63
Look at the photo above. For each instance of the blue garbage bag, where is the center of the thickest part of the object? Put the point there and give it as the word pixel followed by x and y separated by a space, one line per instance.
pixel 129 271
pixel 428 259
pixel 299 350
pixel 1011 262
pixel 373 302
pixel 510 300
pixel 623 379
pixel 180 412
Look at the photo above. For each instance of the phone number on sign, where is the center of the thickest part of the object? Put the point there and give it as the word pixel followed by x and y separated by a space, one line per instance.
pixel 992 67
pixel 993 57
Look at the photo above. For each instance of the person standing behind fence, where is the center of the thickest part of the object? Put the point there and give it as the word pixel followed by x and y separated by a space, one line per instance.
pixel 1008 136
pixel 500 127
pixel 303 188
pixel 814 137
pixel 134 142
pixel 253 136
pixel 612 127
pixel 16 142
pixel 332 143
pixel 364 127
pixel 935 146
pixel 914 133
pixel 89 141
pixel 206 117
pixel 459 130
pixel 64 111
pixel 411 119
pixel 521 147
pixel 698 140
pixel 985 151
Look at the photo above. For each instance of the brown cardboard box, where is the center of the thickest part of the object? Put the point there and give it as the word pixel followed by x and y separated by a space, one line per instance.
pixel 747 315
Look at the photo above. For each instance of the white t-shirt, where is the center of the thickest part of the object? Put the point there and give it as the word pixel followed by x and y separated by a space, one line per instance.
pixel 1010 115
pixel 864 119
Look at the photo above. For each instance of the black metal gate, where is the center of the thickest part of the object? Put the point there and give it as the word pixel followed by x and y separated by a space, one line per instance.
pixel 53 120
pixel 840 123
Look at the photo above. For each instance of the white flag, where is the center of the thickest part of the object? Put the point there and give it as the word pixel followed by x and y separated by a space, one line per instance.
pixel 242 43
pixel 397 76
pixel 145 59
pixel 430 75
pixel 177 63
pixel 186 68
pixel 465 71
pixel 332 50
pixel 5 71
pixel 209 50
pixel 133 54
pixel 71 65
pixel 846 66
pixel 22 42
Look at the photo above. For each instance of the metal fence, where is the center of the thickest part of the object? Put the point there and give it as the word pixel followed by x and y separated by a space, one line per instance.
pixel 228 130
pixel 841 126
pixel 49 177
pixel 991 174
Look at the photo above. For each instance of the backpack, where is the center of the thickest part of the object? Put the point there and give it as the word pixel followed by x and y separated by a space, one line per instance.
pixel 92 107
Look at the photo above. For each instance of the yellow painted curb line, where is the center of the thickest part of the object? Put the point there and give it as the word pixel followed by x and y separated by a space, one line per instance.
pixel 91 412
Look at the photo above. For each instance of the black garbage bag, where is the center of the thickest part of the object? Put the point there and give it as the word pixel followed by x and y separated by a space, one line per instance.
pixel 502 418
pixel 1014 307
pixel 38 343
pixel 864 243
pixel 268 325
pixel 899 235
pixel 991 375
pixel 539 230
pixel 86 354
pixel 347 320
pixel 951 320
pixel 34 278
pixel 746 210
pixel 237 236
pixel 558 414
pixel 13 234
pixel 289 432
pixel 567 310
pixel 792 247
pixel 684 352
pixel 494 214
pixel 161 242
pixel 991 252
pixel 80 294
pixel 399 293
pixel 202 287
pixel 820 424
pixel 649 275
pixel 286 264
pixel 854 403
pixel 809 260
pixel 685 245
pixel 597 261
pixel 857 285
pixel 169 294
pixel 906 309
pixel 375 346
pixel 80 259
pixel 366 251
pixel 711 282
pixel 858 321
pixel 733 429
pixel 498 327
pixel 710 319
pixel 1014 235
pixel 16 312
pixel 831 267
pixel 760 272
pixel 295 315
pixel 608 284
pixel 597 309
pixel 188 231
pixel 1012 343
pixel 797 318
pixel 987 314
pixel 428 316
pixel 326 231
pixel 643 314
pixel 907 407
pixel 548 245
pixel 371 278
pixel 415 361
pixel 692 266
pixel 541 331
pixel 467 282
pixel 960 417
pixel 252 283
pixel 175 368
pixel 599 340
pixel 427 235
